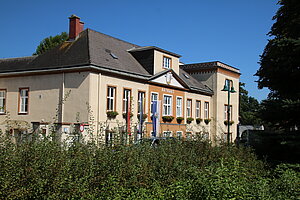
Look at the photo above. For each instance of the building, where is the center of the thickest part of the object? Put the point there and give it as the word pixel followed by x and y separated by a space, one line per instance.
pixel 83 82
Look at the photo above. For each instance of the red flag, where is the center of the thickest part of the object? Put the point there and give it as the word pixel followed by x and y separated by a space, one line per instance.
pixel 128 117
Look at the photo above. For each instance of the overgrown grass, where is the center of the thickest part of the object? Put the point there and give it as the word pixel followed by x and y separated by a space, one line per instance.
pixel 183 170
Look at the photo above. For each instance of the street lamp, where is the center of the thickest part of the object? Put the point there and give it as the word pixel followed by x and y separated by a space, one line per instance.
pixel 228 89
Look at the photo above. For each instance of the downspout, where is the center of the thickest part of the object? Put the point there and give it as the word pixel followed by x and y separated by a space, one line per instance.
pixel 98 108
pixel 63 97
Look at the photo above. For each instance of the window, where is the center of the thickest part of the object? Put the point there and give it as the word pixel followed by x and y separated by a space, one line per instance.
pixel 167 134
pixel 179 134
pixel 179 107
pixel 227 83
pixel 188 108
pixel 206 110
pixel 126 99
pixel 24 96
pixel 154 97
pixel 141 99
pixel 2 101
pixel 188 135
pixel 111 96
pixel 167 106
pixel 225 112
pixel 198 106
pixel 166 62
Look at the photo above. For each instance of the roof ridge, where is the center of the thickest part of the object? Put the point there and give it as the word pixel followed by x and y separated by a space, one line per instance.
pixel 15 58
pixel 113 37
pixel 88 46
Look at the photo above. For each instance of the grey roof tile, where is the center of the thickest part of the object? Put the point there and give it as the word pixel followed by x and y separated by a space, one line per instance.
pixel 193 83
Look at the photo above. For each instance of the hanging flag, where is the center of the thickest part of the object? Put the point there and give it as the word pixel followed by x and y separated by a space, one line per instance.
pixel 155 117
pixel 128 117
pixel 141 116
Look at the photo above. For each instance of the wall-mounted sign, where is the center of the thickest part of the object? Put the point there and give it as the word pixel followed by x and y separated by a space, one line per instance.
pixel 167 90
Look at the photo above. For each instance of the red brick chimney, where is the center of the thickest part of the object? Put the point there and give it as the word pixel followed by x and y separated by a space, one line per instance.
pixel 76 26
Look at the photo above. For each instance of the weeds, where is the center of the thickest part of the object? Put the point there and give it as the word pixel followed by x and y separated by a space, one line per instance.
pixel 181 170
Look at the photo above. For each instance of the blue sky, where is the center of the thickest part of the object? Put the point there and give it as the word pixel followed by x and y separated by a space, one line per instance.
pixel 231 31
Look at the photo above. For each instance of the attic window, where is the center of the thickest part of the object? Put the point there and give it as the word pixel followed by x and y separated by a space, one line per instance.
pixel 113 55
pixel 186 76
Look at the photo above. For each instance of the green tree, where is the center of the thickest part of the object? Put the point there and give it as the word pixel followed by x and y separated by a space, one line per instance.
pixel 249 107
pixel 280 67
pixel 50 42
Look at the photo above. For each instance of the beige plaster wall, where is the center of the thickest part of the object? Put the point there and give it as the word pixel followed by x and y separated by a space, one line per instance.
pixel 45 93
pixel 202 127
pixel 75 106
pixel 220 99
pixel 120 85
pixel 158 62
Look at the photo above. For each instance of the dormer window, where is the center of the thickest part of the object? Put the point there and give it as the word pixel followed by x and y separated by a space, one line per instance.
pixel 166 62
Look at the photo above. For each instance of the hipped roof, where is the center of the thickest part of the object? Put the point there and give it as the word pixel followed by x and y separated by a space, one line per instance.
pixel 90 48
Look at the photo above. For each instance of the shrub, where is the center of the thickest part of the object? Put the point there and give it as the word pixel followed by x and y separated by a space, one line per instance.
pixel 112 114
pixel 179 119
pixel 144 116
pixel 198 120
pixel 177 170
pixel 167 118
pixel 125 115
pixel 230 122
pixel 207 121
pixel 189 120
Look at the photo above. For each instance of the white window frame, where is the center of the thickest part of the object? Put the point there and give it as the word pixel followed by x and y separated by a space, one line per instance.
pixel 198 110
pixel 141 94
pixel 206 110
pixel 2 101
pixel 225 112
pixel 126 99
pixel 111 97
pixel 166 62
pixel 23 100
pixel 189 108
pixel 167 106
pixel 181 134
pixel 153 99
pixel 167 133
pixel 179 107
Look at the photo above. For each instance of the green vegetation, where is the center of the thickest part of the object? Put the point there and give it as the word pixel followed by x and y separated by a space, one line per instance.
pixel 198 120
pixel 279 68
pixel 183 170
pixel 111 114
pixel 167 118
pixel 50 42
pixel 179 119
pixel 249 108
pixel 189 120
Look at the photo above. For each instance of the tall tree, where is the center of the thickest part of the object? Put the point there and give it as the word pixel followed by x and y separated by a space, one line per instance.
pixel 50 42
pixel 280 67
pixel 249 107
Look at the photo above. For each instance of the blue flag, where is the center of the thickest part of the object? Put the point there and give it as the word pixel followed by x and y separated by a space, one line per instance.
pixel 155 117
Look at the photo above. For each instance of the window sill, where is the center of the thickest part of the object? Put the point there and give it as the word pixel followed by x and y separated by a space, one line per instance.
pixel 23 113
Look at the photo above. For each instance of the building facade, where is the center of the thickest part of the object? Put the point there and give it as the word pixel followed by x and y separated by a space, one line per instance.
pixel 102 85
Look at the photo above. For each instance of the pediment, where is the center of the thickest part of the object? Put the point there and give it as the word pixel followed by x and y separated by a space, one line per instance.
pixel 168 78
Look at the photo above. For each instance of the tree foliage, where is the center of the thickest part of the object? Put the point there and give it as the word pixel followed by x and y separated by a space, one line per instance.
pixel 50 42
pixel 249 107
pixel 280 67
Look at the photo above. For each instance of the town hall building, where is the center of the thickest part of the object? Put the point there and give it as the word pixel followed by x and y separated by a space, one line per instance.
pixel 100 86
